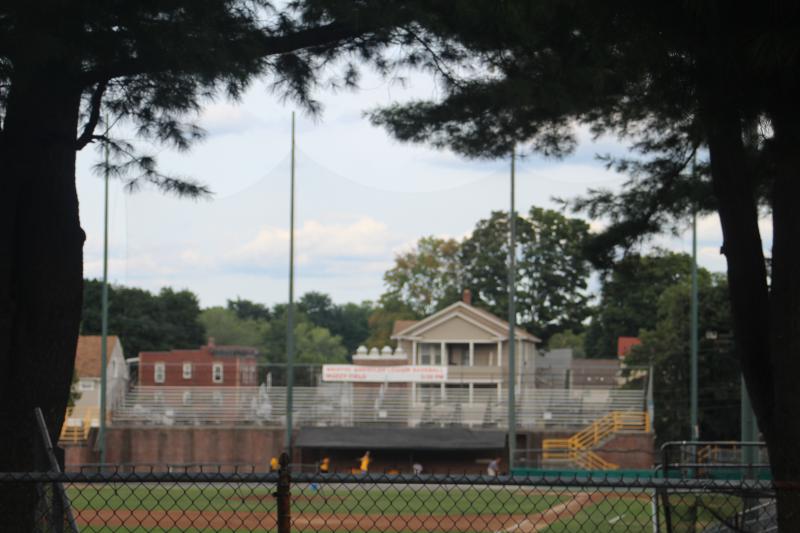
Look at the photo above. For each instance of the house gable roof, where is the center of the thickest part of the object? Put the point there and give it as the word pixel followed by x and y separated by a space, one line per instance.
pixel 487 321
pixel 87 354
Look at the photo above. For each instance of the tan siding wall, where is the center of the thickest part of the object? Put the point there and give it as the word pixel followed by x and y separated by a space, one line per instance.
pixel 456 328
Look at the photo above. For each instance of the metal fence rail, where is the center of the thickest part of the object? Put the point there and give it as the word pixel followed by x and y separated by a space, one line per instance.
pixel 345 405
pixel 284 501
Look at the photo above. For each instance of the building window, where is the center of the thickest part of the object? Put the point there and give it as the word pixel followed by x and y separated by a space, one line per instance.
pixel 458 354
pixel 216 398
pixel 248 375
pixel 159 373
pixel 86 384
pixel 187 397
pixel 430 353
pixel 187 370
pixel 216 373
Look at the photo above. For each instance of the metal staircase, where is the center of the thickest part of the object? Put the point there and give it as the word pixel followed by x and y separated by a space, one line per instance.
pixel 578 449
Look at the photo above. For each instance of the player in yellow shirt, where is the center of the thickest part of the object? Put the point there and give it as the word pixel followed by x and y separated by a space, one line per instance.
pixel 365 460
pixel 325 465
pixel 274 465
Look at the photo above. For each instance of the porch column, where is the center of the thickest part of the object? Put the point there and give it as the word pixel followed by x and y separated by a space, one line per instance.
pixel 443 354
pixel 471 393
pixel 413 352
pixel 471 359
pixel 500 353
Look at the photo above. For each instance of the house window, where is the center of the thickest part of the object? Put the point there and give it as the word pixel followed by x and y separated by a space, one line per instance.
pixel 216 373
pixel 159 372
pixel 114 371
pixel 458 354
pixel 248 375
pixel 86 385
pixel 187 370
pixel 430 353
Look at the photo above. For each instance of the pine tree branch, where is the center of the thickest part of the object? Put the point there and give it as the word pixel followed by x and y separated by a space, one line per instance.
pixel 94 115
pixel 321 36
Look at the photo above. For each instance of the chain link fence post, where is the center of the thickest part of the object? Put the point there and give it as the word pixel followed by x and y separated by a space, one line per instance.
pixel 283 495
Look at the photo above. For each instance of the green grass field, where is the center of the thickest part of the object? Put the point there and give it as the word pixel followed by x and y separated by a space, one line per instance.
pixel 358 508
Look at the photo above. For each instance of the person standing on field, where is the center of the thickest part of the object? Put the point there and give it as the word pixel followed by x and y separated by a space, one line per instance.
pixel 494 467
pixel 364 463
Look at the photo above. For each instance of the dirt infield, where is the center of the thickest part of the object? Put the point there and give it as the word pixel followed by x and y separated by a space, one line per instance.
pixel 216 520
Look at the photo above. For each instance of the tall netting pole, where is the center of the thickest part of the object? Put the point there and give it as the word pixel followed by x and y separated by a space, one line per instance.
pixel 290 313
pixel 512 324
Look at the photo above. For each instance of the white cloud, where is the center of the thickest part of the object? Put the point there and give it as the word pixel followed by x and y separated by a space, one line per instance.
pixel 363 239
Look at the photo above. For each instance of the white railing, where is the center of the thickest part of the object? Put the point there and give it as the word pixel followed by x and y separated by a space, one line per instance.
pixel 342 404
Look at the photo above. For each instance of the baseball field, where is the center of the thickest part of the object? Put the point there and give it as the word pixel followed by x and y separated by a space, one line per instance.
pixel 220 507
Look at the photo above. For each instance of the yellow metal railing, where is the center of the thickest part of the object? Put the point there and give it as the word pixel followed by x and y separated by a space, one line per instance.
pixel 578 448
pixel 78 424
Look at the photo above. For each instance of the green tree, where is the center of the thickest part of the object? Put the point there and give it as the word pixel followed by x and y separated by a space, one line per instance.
pixel 552 272
pixel 143 320
pixel 320 347
pixel 677 80
pixel 555 273
pixel 427 278
pixel 484 258
pixel 569 339
pixel 316 345
pixel 381 321
pixel 348 321
pixel 629 298
pixel 665 348
pixel 353 324
pixel 226 327
pixel 248 310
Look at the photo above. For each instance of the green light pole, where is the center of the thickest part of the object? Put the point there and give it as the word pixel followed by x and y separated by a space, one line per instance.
pixel 695 429
pixel 101 437
pixel 290 313
pixel 512 321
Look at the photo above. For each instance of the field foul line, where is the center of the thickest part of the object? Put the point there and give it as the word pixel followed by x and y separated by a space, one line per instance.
pixel 546 518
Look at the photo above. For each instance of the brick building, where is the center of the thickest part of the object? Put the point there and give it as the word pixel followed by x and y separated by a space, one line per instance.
pixel 206 366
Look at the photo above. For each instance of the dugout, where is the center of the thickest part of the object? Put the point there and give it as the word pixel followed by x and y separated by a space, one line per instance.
pixel 438 450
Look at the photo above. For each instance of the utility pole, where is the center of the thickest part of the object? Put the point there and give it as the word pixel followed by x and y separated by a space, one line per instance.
pixel 101 436
pixel 290 313
pixel 512 322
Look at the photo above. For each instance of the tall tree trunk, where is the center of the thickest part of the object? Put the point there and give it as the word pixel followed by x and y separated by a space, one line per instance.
pixel 785 316
pixel 766 319
pixel 41 267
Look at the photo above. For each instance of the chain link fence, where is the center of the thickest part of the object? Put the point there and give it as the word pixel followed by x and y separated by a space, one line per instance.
pixel 196 499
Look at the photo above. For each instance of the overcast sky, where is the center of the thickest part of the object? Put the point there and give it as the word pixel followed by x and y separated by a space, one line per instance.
pixel 361 198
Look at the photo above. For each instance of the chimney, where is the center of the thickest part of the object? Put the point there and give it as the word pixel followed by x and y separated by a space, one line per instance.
pixel 211 343
pixel 467 297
